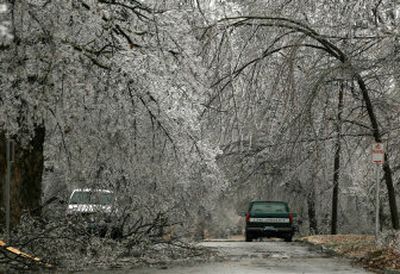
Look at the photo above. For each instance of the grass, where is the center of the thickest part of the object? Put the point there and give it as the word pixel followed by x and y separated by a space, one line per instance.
pixel 360 248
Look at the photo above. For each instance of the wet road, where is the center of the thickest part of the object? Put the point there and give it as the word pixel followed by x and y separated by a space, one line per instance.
pixel 259 257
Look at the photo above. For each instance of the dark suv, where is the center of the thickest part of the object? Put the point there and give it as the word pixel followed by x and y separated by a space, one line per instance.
pixel 269 219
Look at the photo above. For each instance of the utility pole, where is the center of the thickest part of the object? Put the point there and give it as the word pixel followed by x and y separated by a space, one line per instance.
pixel 336 164
pixel 7 200
pixel 378 158
pixel 377 202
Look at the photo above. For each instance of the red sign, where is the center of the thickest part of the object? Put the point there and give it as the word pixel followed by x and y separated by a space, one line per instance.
pixel 378 154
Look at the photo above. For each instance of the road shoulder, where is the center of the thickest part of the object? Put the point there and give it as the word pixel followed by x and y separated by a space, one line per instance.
pixel 361 249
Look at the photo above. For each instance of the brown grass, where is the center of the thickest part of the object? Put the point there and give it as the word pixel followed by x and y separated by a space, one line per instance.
pixel 361 248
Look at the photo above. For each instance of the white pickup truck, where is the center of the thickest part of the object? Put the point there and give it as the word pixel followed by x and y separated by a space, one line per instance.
pixel 96 208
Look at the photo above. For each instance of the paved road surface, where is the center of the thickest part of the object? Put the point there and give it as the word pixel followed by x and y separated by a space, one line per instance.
pixel 260 257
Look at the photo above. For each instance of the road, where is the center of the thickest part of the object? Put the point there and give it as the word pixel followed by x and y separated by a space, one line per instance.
pixel 269 256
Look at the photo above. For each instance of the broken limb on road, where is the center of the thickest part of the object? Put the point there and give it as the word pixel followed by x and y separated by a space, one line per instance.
pixel 15 254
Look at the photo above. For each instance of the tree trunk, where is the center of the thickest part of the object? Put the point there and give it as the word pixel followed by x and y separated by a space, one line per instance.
pixel 26 180
pixel 312 216
pixel 386 166
pixel 3 168
pixel 336 167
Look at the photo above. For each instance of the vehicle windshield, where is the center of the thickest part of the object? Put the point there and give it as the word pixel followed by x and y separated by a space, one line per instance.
pixel 87 197
pixel 269 207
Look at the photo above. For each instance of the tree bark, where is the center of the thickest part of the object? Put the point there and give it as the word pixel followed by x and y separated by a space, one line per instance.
pixel 3 168
pixel 26 180
pixel 336 165
pixel 312 216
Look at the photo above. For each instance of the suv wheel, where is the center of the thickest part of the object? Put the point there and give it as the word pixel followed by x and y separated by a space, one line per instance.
pixel 288 238
pixel 249 238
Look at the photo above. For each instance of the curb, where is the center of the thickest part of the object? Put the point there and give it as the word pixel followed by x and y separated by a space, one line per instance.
pixel 321 248
pixel 391 271
pixel 328 251
pixel 332 252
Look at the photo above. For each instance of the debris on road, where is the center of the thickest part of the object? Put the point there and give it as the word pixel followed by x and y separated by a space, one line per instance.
pixel 18 255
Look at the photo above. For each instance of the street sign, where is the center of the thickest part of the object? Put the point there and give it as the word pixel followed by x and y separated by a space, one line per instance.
pixel 378 153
